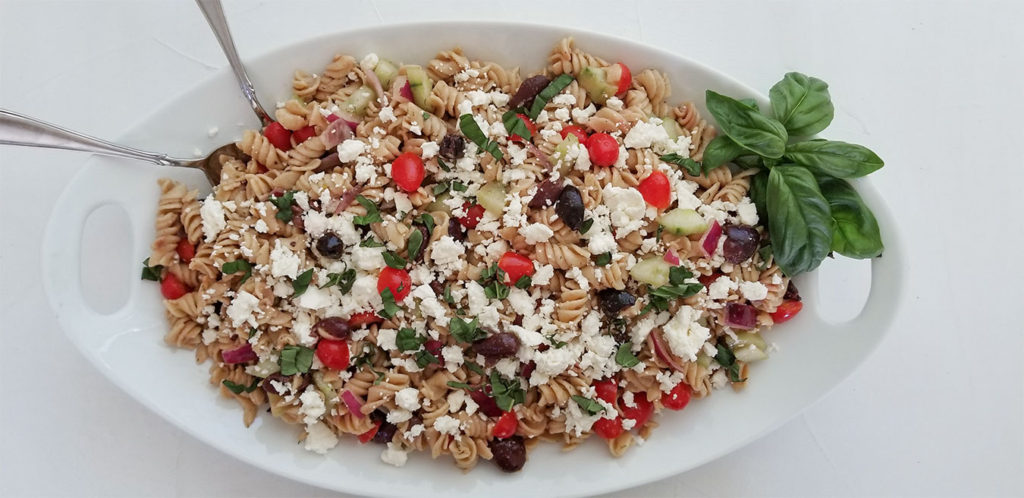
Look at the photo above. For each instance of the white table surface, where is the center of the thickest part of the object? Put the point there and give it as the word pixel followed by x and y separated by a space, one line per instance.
pixel 936 88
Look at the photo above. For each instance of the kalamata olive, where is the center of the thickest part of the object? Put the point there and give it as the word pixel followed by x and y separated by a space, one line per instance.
pixel 570 207
pixel 500 345
pixel 547 193
pixel 330 246
pixel 452 147
pixel 455 229
pixel 438 287
pixel 315 204
pixel 509 453
pixel 297 217
pixel 792 293
pixel 385 433
pixel 423 245
pixel 741 242
pixel 527 370
pixel 278 379
pixel 329 162
pixel 613 301
pixel 528 89
pixel 333 328
pixel 487 404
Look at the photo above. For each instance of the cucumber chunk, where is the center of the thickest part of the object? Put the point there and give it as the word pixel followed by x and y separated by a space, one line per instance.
pixel 355 104
pixel 386 72
pixel 558 157
pixel 439 205
pixel 492 198
pixel 672 127
pixel 680 221
pixel 652 271
pixel 420 85
pixel 593 80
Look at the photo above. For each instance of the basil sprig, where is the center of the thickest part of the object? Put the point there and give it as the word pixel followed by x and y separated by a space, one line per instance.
pixel 296 359
pixel 284 205
pixel 301 283
pixel 588 405
pixel 554 88
pixel 810 210
pixel 151 272
pixel 241 388
pixel 473 132
pixel 238 265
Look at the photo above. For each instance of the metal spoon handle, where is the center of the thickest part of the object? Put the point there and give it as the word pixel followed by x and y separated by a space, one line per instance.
pixel 18 129
pixel 214 13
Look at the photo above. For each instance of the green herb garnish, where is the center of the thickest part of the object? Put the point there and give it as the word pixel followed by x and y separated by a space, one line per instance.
pixel 448 294
pixel 301 283
pixel 473 367
pixel 603 259
pixel 444 167
pixel 393 260
pixel 239 388
pixel 466 331
pixel 472 131
pixel 424 358
pixel 414 244
pixel 514 125
pixel 506 392
pixel 692 167
pixel 372 213
pixel 440 188
pixel 295 360
pixel 151 272
pixel 238 265
pixel 407 340
pixel 625 356
pixel 548 93
pixel 588 405
pixel 725 358
pixel 677 287
pixel 391 308
pixel 371 242
pixel 524 282
pixel 284 205
pixel 459 385
pixel 428 222
pixel 458 186
pixel 585 226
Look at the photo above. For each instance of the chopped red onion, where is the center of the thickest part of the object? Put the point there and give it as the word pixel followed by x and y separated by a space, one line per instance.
pixel 243 354
pixel 406 91
pixel 709 242
pixel 346 199
pixel 542 157
pixel 740 316
pixel 374 81
pixel 354 404
pixel 336 133
pixel 663 352
pixel 671 258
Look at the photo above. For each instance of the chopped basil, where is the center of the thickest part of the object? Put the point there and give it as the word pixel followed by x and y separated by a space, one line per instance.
pixel 424 358
pixel 657 235
pixel 151 272
pixel 444 167
pixel 548 93
pixel 625 356
pixel 472 131
pixel 765 254
pixel 371 242
pixel 238 265
pixel 588 405
pixel 585 226
pixel 524 282
pixel 496 290
pixel 555 343
pixel 514 125
pixel 252 332
pixel 348 277
pixel 489 272
pixel 390 307
pixel 408 340
pixel 414 244
pixel 725 358
pixel 393 260
pixel 295 360
pixel 466 331
pixel 459 385
pixel 603 259
pixel 473 367
pixel 506 392
pixel 426 116
pixel 372 213
pixel 284 205
pixel 459 186
pixel 441 188
pixel 677 287
pixel 332 280
pixel 428 221
pixel 301 283
pixel 448 294
pixel 239 388
pixel 692 167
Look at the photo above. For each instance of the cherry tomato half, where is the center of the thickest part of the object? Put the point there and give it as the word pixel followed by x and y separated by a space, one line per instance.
pixel 364 318
pixel 603 149
pixel 529 126
pixel 473 214
pixel 368 435
pixel 171 287
pixel 333 354
pixel 580 133
pixel 515 266
pixel 397 281
pixel 640 412
pixel 625 79
pixel 608 428
pixel 677 398
pixel 607 390
pixel 186 251
pixel 787 310
pixel 656 189
pixel 407 171
pixel 278 135
pixel 303 134
pixel 505 426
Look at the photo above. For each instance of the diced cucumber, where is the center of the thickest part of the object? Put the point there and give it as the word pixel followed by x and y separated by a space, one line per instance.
pixel 386 72
pixel 672 127
pixel 593 80
pixel 751 338
pixel 561 151
pixel 703 359
pixel 420 85
pixel 326 389
pixel 438 204
pixel 652 271
pixel 492 198
pixel 749 353
pixel 681 221
pixel 355 104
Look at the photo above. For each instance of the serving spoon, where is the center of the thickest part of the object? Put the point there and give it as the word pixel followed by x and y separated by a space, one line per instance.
pixel 19 129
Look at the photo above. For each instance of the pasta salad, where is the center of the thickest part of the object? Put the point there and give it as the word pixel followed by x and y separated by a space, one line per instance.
pixel 460 259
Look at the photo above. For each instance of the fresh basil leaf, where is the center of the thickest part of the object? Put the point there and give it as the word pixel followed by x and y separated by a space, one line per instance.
pixel 371 242
pixel 765 254
pixel 692 167
pixel 747 127
pixel 554 88
pixel 424 358
pixel 348 277
pixel 440 188
pixel 506 392
pixel 603 259
pixel 465 331
pixel 758 194
pixel 414 244
pixel 727 360
pixel 677 275
pixel 391 308
pixel 301 283
pixel 473 367
pixel 472 131
pixel 588 405
pixel 393 260
pixel 459 186
pixel 751 103
pixel 524 282
pixel 514 125
pixel 238 265
pixel 444 167
pixel 799 219
pixel 748 162
pixel 332 280
pixel 151 272
pixel 407 340
pixel 428 221
pixel 834 158
pixel 625 356
pixel 295 360
pixel 855 231
pixel 448 294
pixel 496 290
pixel 719 151
pixel 372 213
pixel 239 388
pixel 284 205
pixel 459 385
pixel 802 104
pixel 585 226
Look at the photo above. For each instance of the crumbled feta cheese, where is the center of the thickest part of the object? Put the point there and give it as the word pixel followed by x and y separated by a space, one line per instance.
pixel 283 262
pixel 369 63
pixel 746 212
pixel 368 258
pixel 566 99
pixel 312 406
pixel 387 114
pixel 685 334
pixel 315 298
pixel 645 133
pixel 398 415
pixel 453 358
pixel 386 339
pixel 446 254
pixel 394 455
pixel 582 116
pixel 429 149
pixel 754 291
pixel 456 399
pixel 543 275
pixel 626 207
pixel 212 214
pixel 446 424
pixel 721 287
pixel 302 329
pixel 408 398
pixel 261 226
pixel 536 233
pixel 320 438
pixel 350 149
pixel 243 308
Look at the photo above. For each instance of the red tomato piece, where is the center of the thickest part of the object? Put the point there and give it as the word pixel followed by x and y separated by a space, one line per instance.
pixel 529 126
pixel 186 251
pixel 407 171
pixel 640 412
pixel 603 149
pixel 333 354
pixel 787 310
pixel 515 266
pixel 364 318
pixel 171 287
pixel 656 189
pixel 433 346
pixel 303 134
pixel 625 79
pixel 577 130
pixel 505 426
pixel 677 398
pixel 607 390
pixel 473 214
pixel 368 435
pixel 398 281
pixel 608 428
pixel 278 135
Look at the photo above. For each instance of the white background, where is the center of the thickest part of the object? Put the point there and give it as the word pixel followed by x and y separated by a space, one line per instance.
pixel 936 88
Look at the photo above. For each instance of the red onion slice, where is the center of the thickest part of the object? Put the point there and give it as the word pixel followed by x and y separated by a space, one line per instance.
pixel 371 77
pixel 336 133
pixel 663 352
pixel 354 404
pixel 346 199
pixel 542 157
pixel 740 316
pixel 406 91
pixel 671 258
pixel 709 242
pixel 243 354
